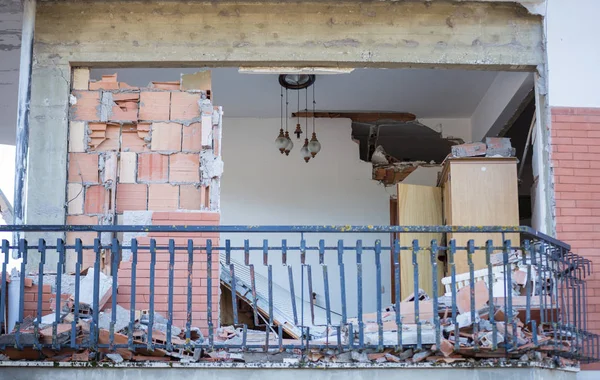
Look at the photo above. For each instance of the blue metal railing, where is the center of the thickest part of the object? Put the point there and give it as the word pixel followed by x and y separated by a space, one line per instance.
pixel 546 311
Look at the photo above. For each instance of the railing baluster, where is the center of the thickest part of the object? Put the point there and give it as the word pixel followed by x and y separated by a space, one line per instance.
pixel 134 259
pixel 3 286
pixel 171 284
pixel 114 259
pixel 454 291
pixel 190 278
pixel 340 251
pixel 42 251
pixel 397 293
pixel 150 343
pixel 434 270
pixel 60 249
pixel 378 291
pixel 470 252
pixel 211 338
pixel 79 253
pixel 310 293
pixel 415 252
pixel 233 293
pixel 23 249
pixel 508 284
pixel 359 289
pixel 489 249
pixel 95 330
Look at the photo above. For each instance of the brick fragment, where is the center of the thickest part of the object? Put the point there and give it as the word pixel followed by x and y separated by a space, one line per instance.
pixel 190 197
pixel 95 197
pixel 127 167
pixel 184 106
pixel 133 137
pixel 86 106
pixel 108 82
pixel 163 197
pixel 77 136
pixel 75 198
pixel 83 167
pixel 192 137
pixel 154 105
pixel 153 167
pixel 131 197
pixel 166 137
pixel 184 167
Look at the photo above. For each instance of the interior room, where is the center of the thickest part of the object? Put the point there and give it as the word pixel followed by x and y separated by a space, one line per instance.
pixel 377 128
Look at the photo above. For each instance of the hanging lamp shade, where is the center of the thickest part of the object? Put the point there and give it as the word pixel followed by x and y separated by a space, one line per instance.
pixel 289 144
pixel 314 146
pixel 305 152
pixel 281 141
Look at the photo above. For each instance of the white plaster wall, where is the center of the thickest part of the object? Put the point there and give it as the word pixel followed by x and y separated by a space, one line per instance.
pixel 262 187
pixel 424 176
pixel 572 30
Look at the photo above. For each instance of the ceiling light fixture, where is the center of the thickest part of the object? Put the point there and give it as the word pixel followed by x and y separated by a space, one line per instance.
pixel 283 142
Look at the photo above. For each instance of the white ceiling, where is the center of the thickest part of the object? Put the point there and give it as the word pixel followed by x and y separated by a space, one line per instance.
pixel 426 93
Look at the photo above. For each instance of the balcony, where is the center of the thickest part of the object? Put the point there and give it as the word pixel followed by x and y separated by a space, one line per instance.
pixel 294 296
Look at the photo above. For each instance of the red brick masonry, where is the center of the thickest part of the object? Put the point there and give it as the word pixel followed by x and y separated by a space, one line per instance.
pixel 576 162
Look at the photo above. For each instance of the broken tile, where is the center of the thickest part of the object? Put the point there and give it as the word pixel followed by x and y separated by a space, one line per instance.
pixel 154 105
pixel 463 297
pixel 81 78
pixel 127 166
pixel 104 136
pixel 126 97
pixel 184 167
pixel 108 82
pixel 83 168
pixel 133 137
pixel 192 137
pixel 166 137
pixel 152 167
pixel 125 108
pixel 172 85
pixel 95 197
pixel 74 199
pixel 191 197
pixel 163 197
pixel 184 106
pixel 77 136
pixel 131 197
pixel 111 165
pixel 125 86
pixel 85 106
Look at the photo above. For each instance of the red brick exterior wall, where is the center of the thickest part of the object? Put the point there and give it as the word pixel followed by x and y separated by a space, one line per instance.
pixel 576 163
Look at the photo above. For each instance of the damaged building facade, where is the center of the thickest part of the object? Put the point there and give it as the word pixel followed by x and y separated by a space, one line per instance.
pixel 159 225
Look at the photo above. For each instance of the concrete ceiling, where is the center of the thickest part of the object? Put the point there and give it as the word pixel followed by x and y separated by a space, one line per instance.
pixel 426 93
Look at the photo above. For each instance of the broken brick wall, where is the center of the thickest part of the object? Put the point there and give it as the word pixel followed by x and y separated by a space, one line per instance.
pixel 146 156
pixel 576 165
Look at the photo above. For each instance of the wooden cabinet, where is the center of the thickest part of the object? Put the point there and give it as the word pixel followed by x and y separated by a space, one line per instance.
pixel 479 192
pixel 418 206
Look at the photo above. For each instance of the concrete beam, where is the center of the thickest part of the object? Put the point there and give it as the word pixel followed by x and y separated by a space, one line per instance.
pixel 500 103
pixel 353 34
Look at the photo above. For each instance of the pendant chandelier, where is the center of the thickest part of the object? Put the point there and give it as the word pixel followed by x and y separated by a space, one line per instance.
pixel 283 142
